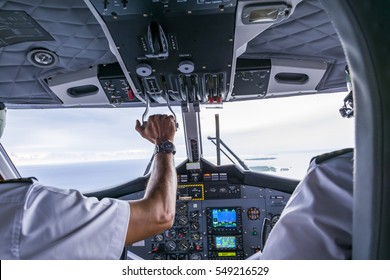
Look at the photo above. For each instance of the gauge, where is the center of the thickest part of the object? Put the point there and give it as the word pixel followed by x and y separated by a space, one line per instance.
pixel 195 236
pixel 170 246
pixel 194 226
pixel 158 237
pixel 183 245
pixel 182 220
pixel 274 219
pixel 182 208
pixel 253 213
pixel 182 233
pixel 195 256
pixel 170 233
pixel 194 215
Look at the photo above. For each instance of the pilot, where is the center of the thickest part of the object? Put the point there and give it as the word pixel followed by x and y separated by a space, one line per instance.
pixel 317 220
pixel 40 222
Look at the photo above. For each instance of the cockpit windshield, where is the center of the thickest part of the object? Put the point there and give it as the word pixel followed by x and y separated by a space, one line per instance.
pixel 84 148
pixel 95 148
pixel 278 136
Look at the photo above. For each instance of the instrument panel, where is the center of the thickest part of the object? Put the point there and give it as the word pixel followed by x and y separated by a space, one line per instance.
pixel 214 219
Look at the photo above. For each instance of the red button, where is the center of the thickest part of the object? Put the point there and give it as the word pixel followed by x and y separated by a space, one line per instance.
pixel 130 94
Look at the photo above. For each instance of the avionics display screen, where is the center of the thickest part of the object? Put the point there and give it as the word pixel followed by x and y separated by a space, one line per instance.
pixel 225 242
pixel 224 217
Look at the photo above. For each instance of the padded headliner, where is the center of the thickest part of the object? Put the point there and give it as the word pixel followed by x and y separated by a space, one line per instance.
pixel 79 43
pixel 306 34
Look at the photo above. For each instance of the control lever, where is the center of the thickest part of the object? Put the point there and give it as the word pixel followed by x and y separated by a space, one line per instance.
pixel 146 112
pixel 196 91
pixel 144 122
pixel 157 41
pixel 165 88
pixel 187 94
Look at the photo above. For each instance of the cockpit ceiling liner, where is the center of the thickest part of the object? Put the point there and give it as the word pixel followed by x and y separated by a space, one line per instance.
pixel 306 34
pixel 79 43
pixel 17 27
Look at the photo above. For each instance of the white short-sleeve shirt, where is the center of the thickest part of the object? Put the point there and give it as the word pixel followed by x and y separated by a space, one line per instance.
pixel 317 220
pixel 39 222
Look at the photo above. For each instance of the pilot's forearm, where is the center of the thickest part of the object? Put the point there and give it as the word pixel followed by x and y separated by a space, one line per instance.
pixel 162 187
pixel 156 211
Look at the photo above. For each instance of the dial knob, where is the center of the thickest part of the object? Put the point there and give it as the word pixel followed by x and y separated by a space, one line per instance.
pixel 170 246
pixel 194 215
pixel 182 208
pixel 195 236
pixel 194 226
pixel 182 220
pixel 159 237
pixel 186 67
pixel 183 245
pixel 143 70
pixel 182 233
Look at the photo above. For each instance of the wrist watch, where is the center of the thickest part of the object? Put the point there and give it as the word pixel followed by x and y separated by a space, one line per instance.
pixel 165 147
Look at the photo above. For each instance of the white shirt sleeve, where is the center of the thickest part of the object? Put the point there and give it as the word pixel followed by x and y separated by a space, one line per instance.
pixel 317 220
pixel 64 224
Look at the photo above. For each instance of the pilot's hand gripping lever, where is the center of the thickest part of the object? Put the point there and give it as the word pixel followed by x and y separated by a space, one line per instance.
pixel 144 122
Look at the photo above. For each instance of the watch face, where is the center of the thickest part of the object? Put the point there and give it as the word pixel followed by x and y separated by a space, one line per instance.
pixel 167 146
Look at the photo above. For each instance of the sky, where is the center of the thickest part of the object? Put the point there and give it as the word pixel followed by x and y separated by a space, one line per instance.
pixel 250 128
pixel 285 125
pixel 261 126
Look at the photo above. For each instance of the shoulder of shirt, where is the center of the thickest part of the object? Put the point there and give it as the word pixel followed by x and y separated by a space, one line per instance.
pixel 327 156
pixel 28 180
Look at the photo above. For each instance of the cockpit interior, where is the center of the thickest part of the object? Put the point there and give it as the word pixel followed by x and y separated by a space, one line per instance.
pixel 188 56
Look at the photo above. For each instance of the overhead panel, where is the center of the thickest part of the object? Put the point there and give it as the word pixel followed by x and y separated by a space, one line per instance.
pixel 182 49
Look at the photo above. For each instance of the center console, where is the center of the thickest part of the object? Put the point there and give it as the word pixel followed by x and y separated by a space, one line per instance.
pixel 216 218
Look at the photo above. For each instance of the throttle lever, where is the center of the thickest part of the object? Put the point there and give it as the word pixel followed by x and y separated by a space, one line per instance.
pixel 146 111
pixel 144 122
pixel 165 88
pixel 173 113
